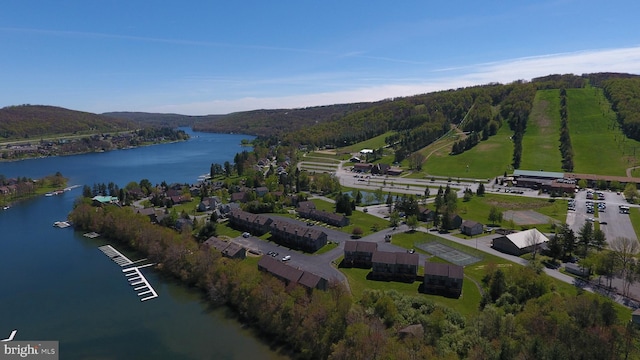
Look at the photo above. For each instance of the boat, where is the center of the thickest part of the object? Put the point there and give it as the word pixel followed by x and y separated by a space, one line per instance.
pixel 61 224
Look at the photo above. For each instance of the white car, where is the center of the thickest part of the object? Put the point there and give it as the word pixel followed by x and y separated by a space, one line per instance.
pixel 286 258
pixel 246 235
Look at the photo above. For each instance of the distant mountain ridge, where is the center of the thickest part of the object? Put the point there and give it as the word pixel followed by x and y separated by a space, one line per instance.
pixel 32 121
pixel 262 122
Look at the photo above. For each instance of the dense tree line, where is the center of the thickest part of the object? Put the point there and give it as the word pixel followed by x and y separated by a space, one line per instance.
pixel 624 95
pixel 566 149
pixel 515 110
pixel 557 81
pixel 465 144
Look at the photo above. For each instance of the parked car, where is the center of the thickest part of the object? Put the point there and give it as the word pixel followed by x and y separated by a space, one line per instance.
pixel 286 258
pixel 246 235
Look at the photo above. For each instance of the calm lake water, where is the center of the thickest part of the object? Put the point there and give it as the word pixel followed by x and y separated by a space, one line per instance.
pixel 57 285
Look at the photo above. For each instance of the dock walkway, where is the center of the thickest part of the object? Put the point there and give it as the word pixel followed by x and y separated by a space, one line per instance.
pixel 132 273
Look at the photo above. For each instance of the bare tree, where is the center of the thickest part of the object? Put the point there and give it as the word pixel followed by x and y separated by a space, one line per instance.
pixel 625 250
pixel 533 240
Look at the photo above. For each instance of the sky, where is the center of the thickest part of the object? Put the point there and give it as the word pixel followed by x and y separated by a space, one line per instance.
pixel 218 57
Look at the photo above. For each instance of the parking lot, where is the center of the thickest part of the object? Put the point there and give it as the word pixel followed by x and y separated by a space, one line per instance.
pixel 605 211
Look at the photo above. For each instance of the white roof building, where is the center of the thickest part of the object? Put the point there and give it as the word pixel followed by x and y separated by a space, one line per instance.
pixel 521 242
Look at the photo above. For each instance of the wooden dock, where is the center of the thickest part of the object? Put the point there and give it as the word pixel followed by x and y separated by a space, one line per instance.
pixel 115 255
pixel 144 290
pixel 141 284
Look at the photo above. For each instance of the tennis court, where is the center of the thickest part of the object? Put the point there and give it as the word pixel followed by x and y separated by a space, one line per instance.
pixel 448 253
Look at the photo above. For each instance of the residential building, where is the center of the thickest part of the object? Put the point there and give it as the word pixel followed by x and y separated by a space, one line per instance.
pixel 445 279
pixel 256 224
pixel 359 253
pixel 295 236
pixel 291 275
pixel 326 217
pixel 228 249
pixel 394 265
pixel 471 228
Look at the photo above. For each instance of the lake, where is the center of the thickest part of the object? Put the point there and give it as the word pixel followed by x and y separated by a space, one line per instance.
pixel 56 284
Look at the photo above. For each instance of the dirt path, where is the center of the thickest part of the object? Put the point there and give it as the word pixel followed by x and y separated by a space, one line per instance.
pixel 629 170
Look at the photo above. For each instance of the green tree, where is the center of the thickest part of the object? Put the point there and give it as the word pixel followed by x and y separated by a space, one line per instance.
pixel 497 285
pixel 412 222
pixel 495 215
pixel 394 218
pixel 631 192
pixel 585 237
pixel 480 190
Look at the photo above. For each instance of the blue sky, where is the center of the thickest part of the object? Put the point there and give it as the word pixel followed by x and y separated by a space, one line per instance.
pixel 215 57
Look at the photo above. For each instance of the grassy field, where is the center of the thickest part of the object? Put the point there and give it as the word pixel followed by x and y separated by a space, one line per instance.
pixel 541 140
pixel 599 146
pixel 486 160
pixel 477 209
pixel 373 143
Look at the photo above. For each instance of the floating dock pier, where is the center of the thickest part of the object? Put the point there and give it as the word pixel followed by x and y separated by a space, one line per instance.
pixel 115 255
pixel 132 273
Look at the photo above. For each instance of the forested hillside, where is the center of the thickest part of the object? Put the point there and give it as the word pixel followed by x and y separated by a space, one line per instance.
pixel 266 123
pixel 624 95
pixel 29 121
pixel 160 120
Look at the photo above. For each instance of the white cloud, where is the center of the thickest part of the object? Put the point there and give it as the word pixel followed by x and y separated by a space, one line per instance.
pixel 607 60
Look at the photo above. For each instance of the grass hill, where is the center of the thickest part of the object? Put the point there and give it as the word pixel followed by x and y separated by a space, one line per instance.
pixel 541 140
pixel 33 121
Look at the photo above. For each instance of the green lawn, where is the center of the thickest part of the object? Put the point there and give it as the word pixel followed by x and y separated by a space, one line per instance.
pixel 321 159
pixel 373 143
pixel 598 145
pixel 486 160
pixel 540 143
pixel 477 209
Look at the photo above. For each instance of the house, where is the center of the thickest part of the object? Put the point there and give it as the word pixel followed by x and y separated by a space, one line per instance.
pixel 149 212
pixel 101 200
pixel 254 223
pixel 304 238
pixel 181 223
pixel 471 228
pixel 326 217
pixel 234 251
pixel 207 204
pixel 261 191
pixel 521 242
pixel 362 167
pixel 306 206
pixel 290 275
pixel 228 249
pixel 394 266
pixel 239 197
pixel 359 253
pixel 455 221
pixel 445 279
pixel 425 214
pixel 313 281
